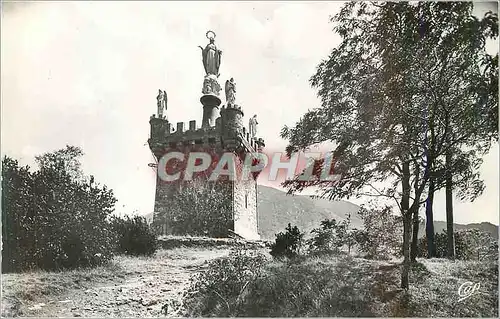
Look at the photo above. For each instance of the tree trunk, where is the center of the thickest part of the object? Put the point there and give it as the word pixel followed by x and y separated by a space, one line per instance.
pixel 406 251
pixel 405 205
pixel 450 251
pixel 429 220
pixel 414 239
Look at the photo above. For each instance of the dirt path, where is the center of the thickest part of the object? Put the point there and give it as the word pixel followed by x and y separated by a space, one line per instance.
pixel 130 287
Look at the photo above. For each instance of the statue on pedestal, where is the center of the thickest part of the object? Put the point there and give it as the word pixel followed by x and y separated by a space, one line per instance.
pixel 230 92
pixel 161 103
pixel 211 56
pixel 252 126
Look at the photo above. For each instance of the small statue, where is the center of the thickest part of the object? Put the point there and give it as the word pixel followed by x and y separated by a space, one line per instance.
pixel 162 103
pixel 230 92
pixel 211 56
pixel 252 126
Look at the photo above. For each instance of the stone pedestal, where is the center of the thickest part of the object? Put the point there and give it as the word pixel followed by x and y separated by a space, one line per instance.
pixel 210 100
pixel 210 109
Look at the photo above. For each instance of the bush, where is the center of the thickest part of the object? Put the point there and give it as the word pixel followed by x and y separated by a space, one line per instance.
pixel 470 244
pixel 220 289
pixel 134 236
pixel 246 287
pixel 54 218
pixel 287 244
pixel 329 238
pixel 382 233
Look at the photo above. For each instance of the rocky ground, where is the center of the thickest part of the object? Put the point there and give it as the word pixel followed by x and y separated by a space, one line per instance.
pixel 127 287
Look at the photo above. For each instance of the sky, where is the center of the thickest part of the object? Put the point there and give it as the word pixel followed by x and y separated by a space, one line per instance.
pixel 87 74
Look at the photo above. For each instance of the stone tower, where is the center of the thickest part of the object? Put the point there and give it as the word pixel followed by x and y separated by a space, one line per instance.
pixel 222 130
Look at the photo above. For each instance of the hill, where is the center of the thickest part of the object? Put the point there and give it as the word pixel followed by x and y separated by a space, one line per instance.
pixel 277 209
pixel 440 226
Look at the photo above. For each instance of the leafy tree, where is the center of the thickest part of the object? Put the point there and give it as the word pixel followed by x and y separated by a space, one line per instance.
pixel 470 244
pixel 381 234
pixel 65 161
pixel 288 243
pixel 53 218
pixel 462 85
pixel 329 238
pixel 17 216
pixel 380 95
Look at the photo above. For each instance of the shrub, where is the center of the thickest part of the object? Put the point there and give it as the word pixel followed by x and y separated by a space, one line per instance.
pixel 312 288
pixel 54 217
pixel 382 233
pixel 470 244
pixel 220 289
pixel 329 238
pixel 134 236
pixel 287 244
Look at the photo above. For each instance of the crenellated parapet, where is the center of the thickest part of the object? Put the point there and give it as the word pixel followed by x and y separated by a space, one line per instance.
pixel 164 136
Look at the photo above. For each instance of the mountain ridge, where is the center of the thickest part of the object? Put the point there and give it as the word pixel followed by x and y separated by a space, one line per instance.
pixel 276 209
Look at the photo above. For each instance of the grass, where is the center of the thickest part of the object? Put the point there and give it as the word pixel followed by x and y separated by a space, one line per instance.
pixel 171 242
pixel 319 286
pixel 436 292
pixel 347 287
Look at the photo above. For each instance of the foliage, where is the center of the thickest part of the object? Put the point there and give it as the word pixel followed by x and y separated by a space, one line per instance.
pixel 470 244
pixel 134 236
pixel 381 235
pixel 279 289
pixel 200 209
pixel 54 218
pixel 481 245
pixel 408 84
pixel 341 286
pixel 221 288
pixel 330 237
pixel 288 243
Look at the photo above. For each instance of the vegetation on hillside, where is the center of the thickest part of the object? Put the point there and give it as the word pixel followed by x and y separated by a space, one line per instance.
pixel 57 218
pixel 329 276
pixel 134 236
pixel 410 98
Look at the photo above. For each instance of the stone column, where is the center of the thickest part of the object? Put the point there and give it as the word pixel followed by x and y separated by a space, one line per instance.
pixel 210 109
pixel 210 100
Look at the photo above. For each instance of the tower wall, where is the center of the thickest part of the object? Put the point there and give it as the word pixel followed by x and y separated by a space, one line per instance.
pixel 245 209
pixel 232 207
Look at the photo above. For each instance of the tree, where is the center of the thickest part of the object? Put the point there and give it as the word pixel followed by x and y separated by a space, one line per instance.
pixel 288 243
pixel 52 218
pixel 376 104
pixel 65 161
pixel 134 236
pixel 470 244
pixel 463 87
pixel 381 234
pixel 330 237
pixel 17 217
